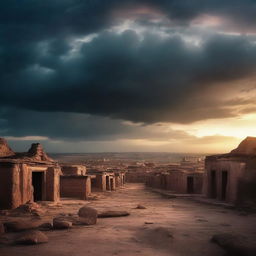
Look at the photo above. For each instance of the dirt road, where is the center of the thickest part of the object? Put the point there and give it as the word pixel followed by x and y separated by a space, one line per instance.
pixel 175 227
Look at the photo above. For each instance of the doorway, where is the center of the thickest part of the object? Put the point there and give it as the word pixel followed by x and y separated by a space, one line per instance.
pixel 37 183
pixel 108 183
pixel 112 184
pixel 190 185
pixel 213 191
pixel 224 183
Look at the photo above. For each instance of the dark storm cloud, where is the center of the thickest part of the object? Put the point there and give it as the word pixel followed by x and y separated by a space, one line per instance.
pixel 122 76
pixel 77 127
pixel 119 76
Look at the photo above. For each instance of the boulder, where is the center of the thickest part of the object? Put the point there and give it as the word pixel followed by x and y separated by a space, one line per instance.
pixel 31 237
pixel 235 244
pixel 30 208
pixel 61 224
pixel 111 214
pixel 88 215
pixel 18 226
pixel 46 226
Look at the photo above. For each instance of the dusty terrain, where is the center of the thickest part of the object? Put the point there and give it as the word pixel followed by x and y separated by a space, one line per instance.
pixel 166 227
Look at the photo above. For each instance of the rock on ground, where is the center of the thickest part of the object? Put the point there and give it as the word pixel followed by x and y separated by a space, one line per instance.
pixel 61 224
pixel 31 238
pixel 88 215
pixel 235 244
pixel 46 226
pixel 18 226
pixel 110 214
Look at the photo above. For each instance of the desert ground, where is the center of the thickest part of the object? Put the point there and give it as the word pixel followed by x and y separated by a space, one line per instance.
pixel 173 227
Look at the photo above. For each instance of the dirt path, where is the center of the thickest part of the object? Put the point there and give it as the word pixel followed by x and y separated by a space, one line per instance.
pixel 180 227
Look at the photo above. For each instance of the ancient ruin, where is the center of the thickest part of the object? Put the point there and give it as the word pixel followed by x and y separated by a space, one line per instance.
pixel 232 177
pixel 30 176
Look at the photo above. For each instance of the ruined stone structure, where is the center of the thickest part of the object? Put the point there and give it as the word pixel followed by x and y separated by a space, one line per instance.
pixel 102 180
pixel 119 175
pixel 73 169
pixel 137 174
pixel 177 180
pixel 75 182
pixel 75 186
pixel 232 177
pixel 30 176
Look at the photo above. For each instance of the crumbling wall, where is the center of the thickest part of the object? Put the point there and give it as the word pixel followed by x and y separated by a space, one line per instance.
pixel 75 186
pixel 73 170
pixel 53 184
pixel 235 170
pixel 246 195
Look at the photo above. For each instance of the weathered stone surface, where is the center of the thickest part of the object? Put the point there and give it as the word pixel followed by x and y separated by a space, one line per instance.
pixel 247 147
pixel 31 208
pixel 5 150
pixel 2 230
pixel 31 238
pixel 88 215
pixel 235 245
pixel 61 224
pixel 110 214
pixel 46 226
pixel 18 226
pixel 36 152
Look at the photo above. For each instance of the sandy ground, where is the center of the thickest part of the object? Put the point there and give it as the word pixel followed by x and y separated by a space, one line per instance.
pixel 178 227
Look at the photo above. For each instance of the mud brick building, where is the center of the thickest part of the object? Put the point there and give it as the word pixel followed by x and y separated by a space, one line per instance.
pixel 232 177
pixel 74 182
pixel 179 181
pixel 30 176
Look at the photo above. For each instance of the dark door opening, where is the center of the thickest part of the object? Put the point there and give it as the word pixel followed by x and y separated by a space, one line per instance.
pixel 213 185
pixel 224 183
pixel 108 183
pixel 190 185
pixel 37 182
pixel 112 184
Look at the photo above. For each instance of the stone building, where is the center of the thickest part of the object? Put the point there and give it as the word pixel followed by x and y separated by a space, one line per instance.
pixel 75 182
pixel 119 175
pixel 179 181
pixel 232 177
pixel 73 169
pixel 30 176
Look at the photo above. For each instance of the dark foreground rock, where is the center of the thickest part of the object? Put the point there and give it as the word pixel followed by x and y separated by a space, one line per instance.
pixel 235 244
pixel 31 237
pixel 46 226
pixel 111 214
pixel 18 226
pixel 88 215
pixel 61 224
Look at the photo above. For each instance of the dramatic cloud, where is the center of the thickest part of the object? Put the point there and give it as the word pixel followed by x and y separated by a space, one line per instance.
pixel 89 66
pixel 148 79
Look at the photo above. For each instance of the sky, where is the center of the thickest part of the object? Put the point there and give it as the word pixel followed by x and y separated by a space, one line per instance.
pixel 128 75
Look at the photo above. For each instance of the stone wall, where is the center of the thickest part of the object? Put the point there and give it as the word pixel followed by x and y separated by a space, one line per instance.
pixel 75 186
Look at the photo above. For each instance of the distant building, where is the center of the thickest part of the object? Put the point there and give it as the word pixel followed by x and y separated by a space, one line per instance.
pixel 30 176
pixel 178 181
pixel 232 177
pixel 74 182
